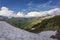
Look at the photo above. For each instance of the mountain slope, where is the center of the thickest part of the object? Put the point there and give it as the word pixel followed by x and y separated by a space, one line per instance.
pixel 35 24
pixel 3 18
pixel 54 23
pixel 48 24
pixel 9 32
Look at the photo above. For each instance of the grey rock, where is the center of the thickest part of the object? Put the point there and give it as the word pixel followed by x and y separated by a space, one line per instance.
pixel 9 32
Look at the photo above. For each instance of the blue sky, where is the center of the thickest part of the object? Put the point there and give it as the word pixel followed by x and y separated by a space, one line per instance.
pixel 30 5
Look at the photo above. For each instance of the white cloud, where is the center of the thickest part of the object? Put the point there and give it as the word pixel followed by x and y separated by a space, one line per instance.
pixel 20 14
pixel 6 12
pixel 9 13
pixel 36 14
pixel 55 11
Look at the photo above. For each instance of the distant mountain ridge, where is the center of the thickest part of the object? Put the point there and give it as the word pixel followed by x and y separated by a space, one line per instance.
pixel 3 18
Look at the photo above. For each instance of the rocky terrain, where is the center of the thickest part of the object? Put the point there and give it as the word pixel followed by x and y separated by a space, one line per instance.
pixel 9 32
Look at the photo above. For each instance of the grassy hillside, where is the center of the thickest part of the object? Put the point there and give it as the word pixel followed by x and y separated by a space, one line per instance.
pixel 42 24
pixel 54 23
pixel 29 25
pixel 34 25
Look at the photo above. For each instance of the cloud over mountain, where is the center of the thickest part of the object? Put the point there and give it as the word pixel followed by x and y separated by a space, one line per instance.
pixel 9 13
pixel 6 12
pixel 55 11
pixel 20 14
